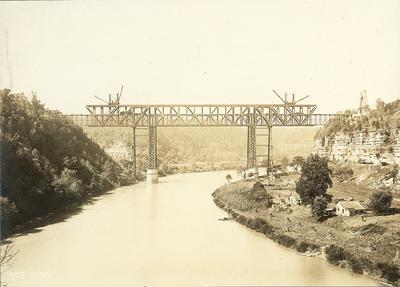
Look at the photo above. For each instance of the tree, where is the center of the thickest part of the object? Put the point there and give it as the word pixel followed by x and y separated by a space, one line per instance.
pixel 228 178
pixel 380 201
pixel 314 180
pixel 297 162
pixel 319 206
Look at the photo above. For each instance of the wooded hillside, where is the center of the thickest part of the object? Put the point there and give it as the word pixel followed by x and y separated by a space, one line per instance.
pixel 46 162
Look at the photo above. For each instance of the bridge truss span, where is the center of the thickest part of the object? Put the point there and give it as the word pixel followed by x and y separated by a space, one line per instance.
pixel 201 115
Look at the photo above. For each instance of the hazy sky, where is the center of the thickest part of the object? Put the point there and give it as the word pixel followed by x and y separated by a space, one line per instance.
pixel 201 51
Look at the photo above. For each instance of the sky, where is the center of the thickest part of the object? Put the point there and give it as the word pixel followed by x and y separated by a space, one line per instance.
pixel 220 51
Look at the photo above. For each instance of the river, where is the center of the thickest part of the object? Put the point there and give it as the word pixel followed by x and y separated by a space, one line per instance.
pixel 162 235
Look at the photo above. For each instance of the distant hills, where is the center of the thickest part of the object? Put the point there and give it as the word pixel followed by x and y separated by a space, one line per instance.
pixel 185 145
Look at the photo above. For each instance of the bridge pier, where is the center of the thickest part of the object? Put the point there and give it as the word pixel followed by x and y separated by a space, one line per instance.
pixel 152 168
pixel 251 151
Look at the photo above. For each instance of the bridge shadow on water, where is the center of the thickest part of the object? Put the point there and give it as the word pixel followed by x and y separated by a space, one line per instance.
pixel 61 215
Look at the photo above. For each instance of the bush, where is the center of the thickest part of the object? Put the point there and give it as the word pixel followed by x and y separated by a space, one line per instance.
pixel 242 219
pixel 261 196
pixel 267 229
pixel 303 246
pixel 258 186
pixel 335 253
pixel 319 206
pixel 372 228
pixel 380 201
pixel 258 223
pixel 285 240
pixel 343 174
pixel 389 271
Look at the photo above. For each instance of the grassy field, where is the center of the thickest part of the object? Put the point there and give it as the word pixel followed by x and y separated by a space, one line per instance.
pixel 370 244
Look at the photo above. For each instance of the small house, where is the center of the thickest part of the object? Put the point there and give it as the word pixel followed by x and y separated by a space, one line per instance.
pixel 294 198
pixel 349 208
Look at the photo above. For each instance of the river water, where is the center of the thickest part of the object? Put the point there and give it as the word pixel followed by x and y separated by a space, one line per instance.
pixel 162 235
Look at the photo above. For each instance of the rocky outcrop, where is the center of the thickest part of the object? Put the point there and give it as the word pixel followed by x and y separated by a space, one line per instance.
pixel 380 147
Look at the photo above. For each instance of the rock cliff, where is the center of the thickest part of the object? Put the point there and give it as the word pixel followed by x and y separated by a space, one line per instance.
pixel 379 147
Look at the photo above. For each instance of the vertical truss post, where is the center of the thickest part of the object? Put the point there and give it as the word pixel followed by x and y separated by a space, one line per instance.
pixel 152 172
pixel 269 156
pixel 251 149
pixel 134 172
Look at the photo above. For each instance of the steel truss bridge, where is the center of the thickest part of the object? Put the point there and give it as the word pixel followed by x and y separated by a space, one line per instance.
pixel 256 117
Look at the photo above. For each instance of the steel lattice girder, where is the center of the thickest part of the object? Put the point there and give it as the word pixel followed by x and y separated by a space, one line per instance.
pixel 201 115
pixel 152 155
pixel 251 147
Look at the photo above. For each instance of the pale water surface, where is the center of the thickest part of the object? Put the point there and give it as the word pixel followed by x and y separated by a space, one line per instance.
pixel 162 235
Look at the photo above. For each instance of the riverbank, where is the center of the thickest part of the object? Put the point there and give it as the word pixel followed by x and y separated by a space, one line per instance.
pixel 365 245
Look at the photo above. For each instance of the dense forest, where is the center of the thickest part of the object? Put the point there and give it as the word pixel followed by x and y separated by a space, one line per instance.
pixel 386 116
pixel 47 163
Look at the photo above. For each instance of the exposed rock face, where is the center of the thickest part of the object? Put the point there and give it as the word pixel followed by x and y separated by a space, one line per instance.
pixel 373 147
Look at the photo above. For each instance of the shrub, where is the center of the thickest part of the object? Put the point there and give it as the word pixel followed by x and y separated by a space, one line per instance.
pixel 372 228
pixel 285 240
pixel 335 254
pixel 258 223
pixel 267 229
pixel 356 265
pixel 389 271
pixel 260 196
pixel 380 201
pixel 258 186
pixel 343 174
pixel 242 219
pixel 318 208
pixel 303 246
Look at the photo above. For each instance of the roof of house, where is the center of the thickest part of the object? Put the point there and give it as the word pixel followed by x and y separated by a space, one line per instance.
pixel 295 195
pixel 351 205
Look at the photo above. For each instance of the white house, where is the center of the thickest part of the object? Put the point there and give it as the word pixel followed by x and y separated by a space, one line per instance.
pixel 349 208
pixel 294 198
